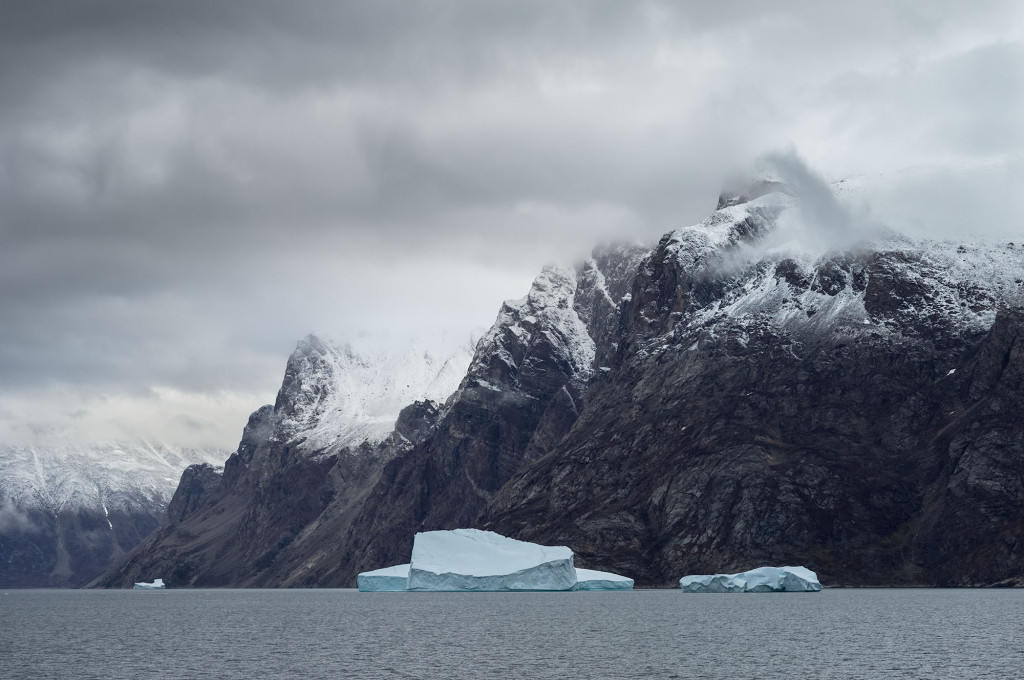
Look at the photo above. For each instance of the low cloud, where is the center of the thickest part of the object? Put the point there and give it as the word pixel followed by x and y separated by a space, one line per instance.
pixel 188 188
pixel 14 520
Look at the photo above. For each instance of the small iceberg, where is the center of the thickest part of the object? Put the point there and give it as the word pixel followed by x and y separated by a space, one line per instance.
pixel 474 560
pixel 761 580
pixel 155 585
pixel 588 579
pixel 386 580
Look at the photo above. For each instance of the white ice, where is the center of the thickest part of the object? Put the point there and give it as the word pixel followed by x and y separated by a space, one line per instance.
pixel 474 560
pixel 589 579
pixel 155 585
pixel 386 580
pixel 761 580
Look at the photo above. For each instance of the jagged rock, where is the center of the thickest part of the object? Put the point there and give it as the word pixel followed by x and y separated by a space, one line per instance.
pixel 301 470
pixel 706 405
pixel 416 420
pixel 197 485
pixel 871 431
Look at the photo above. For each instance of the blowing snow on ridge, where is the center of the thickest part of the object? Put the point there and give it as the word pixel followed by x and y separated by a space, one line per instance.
pixel 340 396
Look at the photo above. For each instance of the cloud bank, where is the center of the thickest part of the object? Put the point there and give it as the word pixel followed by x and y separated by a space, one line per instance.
pixel 187 188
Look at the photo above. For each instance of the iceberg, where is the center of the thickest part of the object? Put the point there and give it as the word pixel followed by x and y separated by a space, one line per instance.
pixel 386 580
pixel 588 579
pixel 474 560
pixel 155 585
pixel 761 580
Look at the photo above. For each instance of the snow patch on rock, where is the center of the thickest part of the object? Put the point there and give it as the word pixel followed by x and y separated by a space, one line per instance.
pixel 547 309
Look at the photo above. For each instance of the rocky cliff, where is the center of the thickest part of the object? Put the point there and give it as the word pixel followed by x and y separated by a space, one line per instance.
pixel 724 400
pixel 858 412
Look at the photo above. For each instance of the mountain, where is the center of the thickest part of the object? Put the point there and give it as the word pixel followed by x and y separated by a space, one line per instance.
pixel 269 518
pixel 68 511
pixel 860 412
pixel 769 386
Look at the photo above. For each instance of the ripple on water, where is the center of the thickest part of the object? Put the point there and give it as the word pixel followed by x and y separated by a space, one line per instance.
pixel 658 634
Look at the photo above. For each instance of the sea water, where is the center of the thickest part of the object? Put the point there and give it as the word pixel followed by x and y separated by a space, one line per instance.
pixel 919 633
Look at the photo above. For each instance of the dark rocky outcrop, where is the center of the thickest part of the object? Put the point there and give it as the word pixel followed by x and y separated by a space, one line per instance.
pixel 708 406
pixel 882 445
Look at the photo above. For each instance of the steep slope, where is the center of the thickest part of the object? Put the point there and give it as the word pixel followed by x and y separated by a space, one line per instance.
pixel 66 512
pixel 301 463
pixel 525 388
pixel 857 412
pixel 296 507
pixel 733 397
pixel 337 397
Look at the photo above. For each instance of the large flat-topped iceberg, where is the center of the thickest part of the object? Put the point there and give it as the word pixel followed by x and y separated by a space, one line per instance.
pixel 589 579
pixel 155 585
pixel 474 560
pixel 386 580
pixel 761 580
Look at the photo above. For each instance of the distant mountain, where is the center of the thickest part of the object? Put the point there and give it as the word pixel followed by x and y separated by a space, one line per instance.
pixel 67 511
pixel 733 397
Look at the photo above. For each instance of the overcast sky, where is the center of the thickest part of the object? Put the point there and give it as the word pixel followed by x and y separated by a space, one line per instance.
pixel 187 188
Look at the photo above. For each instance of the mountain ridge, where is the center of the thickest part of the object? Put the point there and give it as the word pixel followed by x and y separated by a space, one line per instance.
pixel 68 510
pixel 713 403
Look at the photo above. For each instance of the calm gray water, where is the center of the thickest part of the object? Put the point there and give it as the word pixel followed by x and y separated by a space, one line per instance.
pixel 639 634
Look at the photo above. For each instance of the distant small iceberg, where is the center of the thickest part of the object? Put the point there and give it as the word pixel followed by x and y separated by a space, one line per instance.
pixel 387 580
pixel 589 579
pixel 761 580
pixel 155 585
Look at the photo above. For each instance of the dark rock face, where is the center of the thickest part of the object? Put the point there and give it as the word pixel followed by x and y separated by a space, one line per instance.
pixel 703 407
pixel 417 419
pixel 522 393
pixel 848 428
pixel 197 485
pixel 285 516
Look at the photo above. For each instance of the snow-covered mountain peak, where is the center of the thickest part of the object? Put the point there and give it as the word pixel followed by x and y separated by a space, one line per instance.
pixel 746 270
pixel 737 224
pixel 548 310
pixel 340 395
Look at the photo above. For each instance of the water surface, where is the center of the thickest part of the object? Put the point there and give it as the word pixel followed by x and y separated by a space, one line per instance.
pixel 657 634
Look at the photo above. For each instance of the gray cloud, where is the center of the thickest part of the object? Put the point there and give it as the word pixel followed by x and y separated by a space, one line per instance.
pixel 186 188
